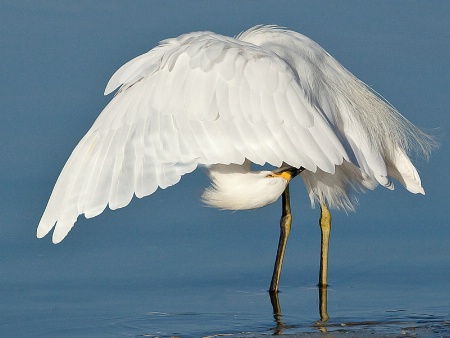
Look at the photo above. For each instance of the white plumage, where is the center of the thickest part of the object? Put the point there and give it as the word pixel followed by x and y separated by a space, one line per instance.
pixel 235 187
pixel 269 95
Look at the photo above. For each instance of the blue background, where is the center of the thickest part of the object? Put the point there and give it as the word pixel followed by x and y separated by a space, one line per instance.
pixel 166 264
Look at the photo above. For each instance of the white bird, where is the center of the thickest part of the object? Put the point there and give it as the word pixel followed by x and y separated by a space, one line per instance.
pixel 268 96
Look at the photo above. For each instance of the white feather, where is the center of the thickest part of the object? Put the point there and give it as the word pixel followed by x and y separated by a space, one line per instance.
pixel 255 189
pixel 270 96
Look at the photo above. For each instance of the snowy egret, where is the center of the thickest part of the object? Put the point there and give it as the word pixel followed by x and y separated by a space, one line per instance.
pixel 268 96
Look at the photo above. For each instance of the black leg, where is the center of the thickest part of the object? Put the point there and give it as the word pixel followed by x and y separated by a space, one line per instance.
pixel 285 228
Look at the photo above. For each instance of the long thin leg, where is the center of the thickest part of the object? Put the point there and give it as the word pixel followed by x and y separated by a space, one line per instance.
pixel 285 229
pixel 325 226
pixel 323 301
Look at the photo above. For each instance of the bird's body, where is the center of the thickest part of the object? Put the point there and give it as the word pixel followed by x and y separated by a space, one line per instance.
pixel 268 96
pixel 236 187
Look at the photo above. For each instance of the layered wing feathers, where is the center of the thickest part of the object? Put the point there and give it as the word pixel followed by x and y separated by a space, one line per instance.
pixel 268 96
pixel 374 134
pixel 199 99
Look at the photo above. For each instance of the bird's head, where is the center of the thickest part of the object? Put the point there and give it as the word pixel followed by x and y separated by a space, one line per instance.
pixel 240 190
pixel 286 173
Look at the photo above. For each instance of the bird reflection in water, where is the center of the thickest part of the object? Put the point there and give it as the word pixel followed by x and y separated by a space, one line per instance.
pixel 278 316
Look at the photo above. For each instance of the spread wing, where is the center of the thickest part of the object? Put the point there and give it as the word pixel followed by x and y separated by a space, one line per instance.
pixel 199 99
pixel 375 135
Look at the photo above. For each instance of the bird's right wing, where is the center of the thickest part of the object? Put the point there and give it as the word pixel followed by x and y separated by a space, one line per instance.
pixel 200 99
pixel 375 135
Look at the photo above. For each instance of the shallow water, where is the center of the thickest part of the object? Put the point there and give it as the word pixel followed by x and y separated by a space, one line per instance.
pixel 211 278
pixel 232 308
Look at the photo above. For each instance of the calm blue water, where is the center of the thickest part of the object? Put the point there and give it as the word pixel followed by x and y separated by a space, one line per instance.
pixel 167 266
pixel 140 271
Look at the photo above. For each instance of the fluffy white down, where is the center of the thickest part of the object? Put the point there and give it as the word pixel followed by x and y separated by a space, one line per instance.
pixel 234 187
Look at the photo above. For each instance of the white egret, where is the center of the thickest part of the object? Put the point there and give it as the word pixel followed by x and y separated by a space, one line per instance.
pixel 268 96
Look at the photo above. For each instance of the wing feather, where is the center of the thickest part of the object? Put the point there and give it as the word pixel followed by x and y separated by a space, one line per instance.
pixel 200 99
pixel 98 183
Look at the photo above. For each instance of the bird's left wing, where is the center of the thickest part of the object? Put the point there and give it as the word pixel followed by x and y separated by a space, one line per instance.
pixel 199 99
